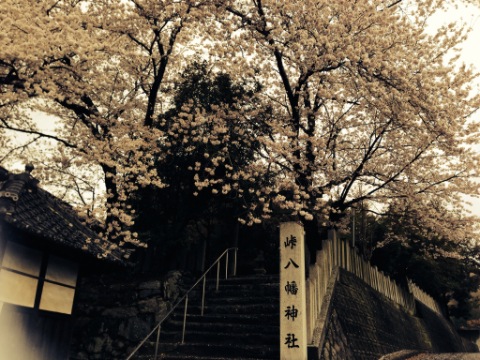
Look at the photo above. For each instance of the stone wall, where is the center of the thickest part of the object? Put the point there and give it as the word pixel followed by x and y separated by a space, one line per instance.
pixel 336 346
pixel 112 314
pixel 363 324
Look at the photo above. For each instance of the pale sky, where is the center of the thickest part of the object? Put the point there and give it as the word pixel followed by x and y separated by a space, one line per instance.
pixel 470 50
pixel 471 16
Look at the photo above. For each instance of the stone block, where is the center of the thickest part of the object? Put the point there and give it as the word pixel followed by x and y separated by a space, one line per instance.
pixel 148 306
pixel 135 329
pixel 120 312
pixel 150 285
pixel 148 293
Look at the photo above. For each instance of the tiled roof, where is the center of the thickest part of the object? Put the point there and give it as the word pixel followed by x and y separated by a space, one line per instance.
pixel 29 208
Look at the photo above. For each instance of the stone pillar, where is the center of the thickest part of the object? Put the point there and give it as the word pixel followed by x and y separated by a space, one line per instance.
pixel 293 322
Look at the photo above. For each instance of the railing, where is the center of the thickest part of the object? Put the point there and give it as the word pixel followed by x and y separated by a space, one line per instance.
pixel 184 299
pixel 336 252
pixel 424 298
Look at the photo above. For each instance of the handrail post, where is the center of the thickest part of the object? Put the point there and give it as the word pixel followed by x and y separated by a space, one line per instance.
pixel 203 295
pixel 184 319
pixel 226 265
pixel 218 275
pixel 156 343
pixel 235 262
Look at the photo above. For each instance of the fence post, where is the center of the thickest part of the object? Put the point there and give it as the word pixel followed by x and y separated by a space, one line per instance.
pixel 309 306
pixel 328 254
pixel 349 257
pixel 357 262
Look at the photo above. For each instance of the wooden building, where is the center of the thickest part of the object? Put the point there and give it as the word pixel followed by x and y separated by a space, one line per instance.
pixel 43 246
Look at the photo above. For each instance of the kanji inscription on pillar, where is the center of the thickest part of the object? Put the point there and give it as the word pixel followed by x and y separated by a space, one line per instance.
pixel 293 328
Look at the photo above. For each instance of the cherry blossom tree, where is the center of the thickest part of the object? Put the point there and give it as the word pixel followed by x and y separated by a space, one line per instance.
pixel 185 217
pixel 369 106
pixel 100 67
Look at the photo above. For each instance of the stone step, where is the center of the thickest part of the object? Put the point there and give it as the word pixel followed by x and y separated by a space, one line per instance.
pixel 223 327
pixel 241 290
pixel 240 321
pixel 196 357
pixel 220 308
pixel 232 318
pixel 247 280
pixel 231 300
pixel 242 280
pixel 211 336
pixel 191 350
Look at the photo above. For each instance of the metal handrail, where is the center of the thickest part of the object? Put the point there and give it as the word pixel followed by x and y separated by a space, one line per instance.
pixel 203 279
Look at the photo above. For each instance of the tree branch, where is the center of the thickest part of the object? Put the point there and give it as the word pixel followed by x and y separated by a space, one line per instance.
pixel 39 133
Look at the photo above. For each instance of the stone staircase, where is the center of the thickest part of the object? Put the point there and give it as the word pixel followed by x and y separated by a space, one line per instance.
pixel 240 321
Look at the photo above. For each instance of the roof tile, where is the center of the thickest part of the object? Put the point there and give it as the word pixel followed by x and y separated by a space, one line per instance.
pixel 34 210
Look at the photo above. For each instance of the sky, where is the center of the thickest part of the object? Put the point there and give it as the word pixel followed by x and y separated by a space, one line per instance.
pixel 470 15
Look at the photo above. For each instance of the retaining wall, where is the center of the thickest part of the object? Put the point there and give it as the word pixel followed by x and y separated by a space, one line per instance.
pixel 364 324
pixel 112 314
